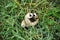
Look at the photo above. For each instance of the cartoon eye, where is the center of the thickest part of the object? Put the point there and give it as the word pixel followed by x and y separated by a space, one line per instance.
pixel 34 14
pixel 31 15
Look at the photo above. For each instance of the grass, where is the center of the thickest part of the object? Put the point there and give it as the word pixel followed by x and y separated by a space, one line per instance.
pixel 12 12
